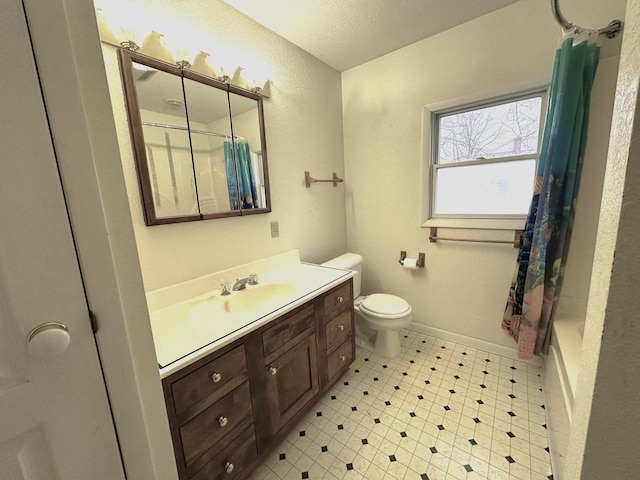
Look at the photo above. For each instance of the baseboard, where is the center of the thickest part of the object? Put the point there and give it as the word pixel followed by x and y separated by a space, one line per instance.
pixel 472 342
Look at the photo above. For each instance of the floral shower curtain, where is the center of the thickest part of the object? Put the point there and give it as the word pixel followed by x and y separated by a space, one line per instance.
pixel 536 281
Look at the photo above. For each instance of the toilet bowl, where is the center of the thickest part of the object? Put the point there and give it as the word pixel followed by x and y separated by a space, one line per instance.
pixel 383 314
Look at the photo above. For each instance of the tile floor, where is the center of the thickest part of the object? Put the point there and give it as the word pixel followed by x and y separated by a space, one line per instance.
pixel 440 411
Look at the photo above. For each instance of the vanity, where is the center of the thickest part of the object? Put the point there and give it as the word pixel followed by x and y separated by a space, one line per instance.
pixel 266 355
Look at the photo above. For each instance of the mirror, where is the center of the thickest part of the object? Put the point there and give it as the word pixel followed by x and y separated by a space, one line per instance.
pixel 199 143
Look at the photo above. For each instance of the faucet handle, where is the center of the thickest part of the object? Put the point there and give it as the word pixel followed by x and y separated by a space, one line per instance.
pixel 224 288
pixel 253 279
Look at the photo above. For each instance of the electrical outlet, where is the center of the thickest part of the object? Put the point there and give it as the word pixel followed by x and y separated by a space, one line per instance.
pixel 275 230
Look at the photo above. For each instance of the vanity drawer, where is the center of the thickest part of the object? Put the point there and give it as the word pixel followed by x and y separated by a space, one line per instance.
pixel 338 330
pixel 337 298
pixel 213 380
pixel 339 359
pixel 287 329
pixel 223 417
pixel 236 457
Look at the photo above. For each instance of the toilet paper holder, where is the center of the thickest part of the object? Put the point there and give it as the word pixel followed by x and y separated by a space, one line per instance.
pixel 403 255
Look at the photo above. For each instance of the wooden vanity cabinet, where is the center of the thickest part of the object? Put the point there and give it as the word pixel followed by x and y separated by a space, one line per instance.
pixel 228 410
pixel 292 382
pixel 291 362
pixel 338 328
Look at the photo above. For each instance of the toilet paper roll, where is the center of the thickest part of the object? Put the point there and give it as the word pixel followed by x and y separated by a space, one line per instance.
pixel 410 263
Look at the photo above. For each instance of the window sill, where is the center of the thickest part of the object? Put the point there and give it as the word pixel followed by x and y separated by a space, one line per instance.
pixel 476 223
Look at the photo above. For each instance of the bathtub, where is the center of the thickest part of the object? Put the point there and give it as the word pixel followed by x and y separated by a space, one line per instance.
pixel 560 375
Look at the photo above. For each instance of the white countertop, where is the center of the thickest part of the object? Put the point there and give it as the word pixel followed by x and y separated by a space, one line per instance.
pixel 191 328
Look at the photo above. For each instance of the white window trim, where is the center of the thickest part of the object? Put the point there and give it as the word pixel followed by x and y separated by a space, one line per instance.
pixel 428 111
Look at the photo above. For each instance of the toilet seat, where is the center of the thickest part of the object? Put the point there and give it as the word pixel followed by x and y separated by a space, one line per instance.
pixel 382 305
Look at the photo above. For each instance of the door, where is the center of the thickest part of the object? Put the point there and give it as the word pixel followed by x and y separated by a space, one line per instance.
pixel 55 421
pixel 292 381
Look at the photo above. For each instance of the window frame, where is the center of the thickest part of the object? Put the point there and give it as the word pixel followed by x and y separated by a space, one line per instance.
pixel 431 115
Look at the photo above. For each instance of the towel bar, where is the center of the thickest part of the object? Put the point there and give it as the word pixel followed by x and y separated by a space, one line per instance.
pixel 433 237
pixel 308 180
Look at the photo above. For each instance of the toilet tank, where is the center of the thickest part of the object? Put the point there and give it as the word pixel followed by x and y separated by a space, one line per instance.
pixel 349 261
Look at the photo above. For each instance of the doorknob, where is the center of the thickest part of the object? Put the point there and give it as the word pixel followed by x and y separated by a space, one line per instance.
pixel 48 340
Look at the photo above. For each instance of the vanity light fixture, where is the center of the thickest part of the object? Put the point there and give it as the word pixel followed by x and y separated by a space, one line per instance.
pixel 256 85
pixel 129 34
pixel 154 46
pixel 130 45
pixel 224 74
pixel 181 53
pixel 183 64
pixel 121 32
pixel 201 65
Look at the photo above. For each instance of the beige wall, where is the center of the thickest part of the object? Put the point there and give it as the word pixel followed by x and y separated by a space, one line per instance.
pixel 463 289
pixel 304 132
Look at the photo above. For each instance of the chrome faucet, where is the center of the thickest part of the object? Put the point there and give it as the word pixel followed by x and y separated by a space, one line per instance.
pixel 241 283
pixel 224 288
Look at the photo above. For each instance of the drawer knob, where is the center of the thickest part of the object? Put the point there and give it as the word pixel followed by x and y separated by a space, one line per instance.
pixel 342 358
pixel 229 467
pixel 273 370
pixel 340 299
pixel 216 377
pixel 341 327
pixel 223 421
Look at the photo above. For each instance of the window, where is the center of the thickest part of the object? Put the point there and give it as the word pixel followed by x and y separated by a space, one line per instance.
pixel 484 157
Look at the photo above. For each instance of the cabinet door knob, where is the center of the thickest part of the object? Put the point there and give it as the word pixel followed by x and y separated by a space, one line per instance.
pixel 229 467
pixel 216 377
pixel 273 370
pixel 340 299
pixel 223 421
pixel 342 358
pixel 48 340
pixel 341 327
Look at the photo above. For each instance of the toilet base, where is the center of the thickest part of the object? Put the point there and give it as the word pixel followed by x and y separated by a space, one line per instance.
pixel 387 343
pixel 384 342
pixel 364 343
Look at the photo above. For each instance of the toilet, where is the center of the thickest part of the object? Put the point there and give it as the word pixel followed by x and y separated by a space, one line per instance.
pixel 379 315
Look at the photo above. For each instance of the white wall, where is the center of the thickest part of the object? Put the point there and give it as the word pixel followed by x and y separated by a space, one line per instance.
pixel 464 288
pixel 304 132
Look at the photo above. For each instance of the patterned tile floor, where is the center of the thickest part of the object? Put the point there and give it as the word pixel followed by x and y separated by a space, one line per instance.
pixel 440 411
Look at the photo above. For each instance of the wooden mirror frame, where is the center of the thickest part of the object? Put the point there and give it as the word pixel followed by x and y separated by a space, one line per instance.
pixel 126 58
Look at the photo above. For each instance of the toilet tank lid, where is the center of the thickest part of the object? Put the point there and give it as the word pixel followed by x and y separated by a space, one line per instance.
pixel 346 260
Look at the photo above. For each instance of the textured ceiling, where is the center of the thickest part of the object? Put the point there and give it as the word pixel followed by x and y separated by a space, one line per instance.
pixel 346 33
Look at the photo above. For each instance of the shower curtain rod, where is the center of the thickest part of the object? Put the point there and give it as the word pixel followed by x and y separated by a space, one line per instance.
pixel 201 132
pixel 611 31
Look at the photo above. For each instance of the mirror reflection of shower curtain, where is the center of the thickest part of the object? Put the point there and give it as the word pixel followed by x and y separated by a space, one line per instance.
pixel 240 178
pixel 258 179
pixel 232 178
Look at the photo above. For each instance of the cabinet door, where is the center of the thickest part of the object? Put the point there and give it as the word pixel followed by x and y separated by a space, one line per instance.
pixel 292 381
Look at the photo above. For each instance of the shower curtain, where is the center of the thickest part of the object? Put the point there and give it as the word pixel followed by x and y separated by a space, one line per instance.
pixel 536 282
pixel 240 178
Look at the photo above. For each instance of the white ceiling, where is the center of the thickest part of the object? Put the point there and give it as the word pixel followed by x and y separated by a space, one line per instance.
pixel 346 33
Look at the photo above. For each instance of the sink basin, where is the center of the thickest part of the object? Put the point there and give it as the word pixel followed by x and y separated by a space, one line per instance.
pixel 165 322
pixel 257 298
pixel 192 318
